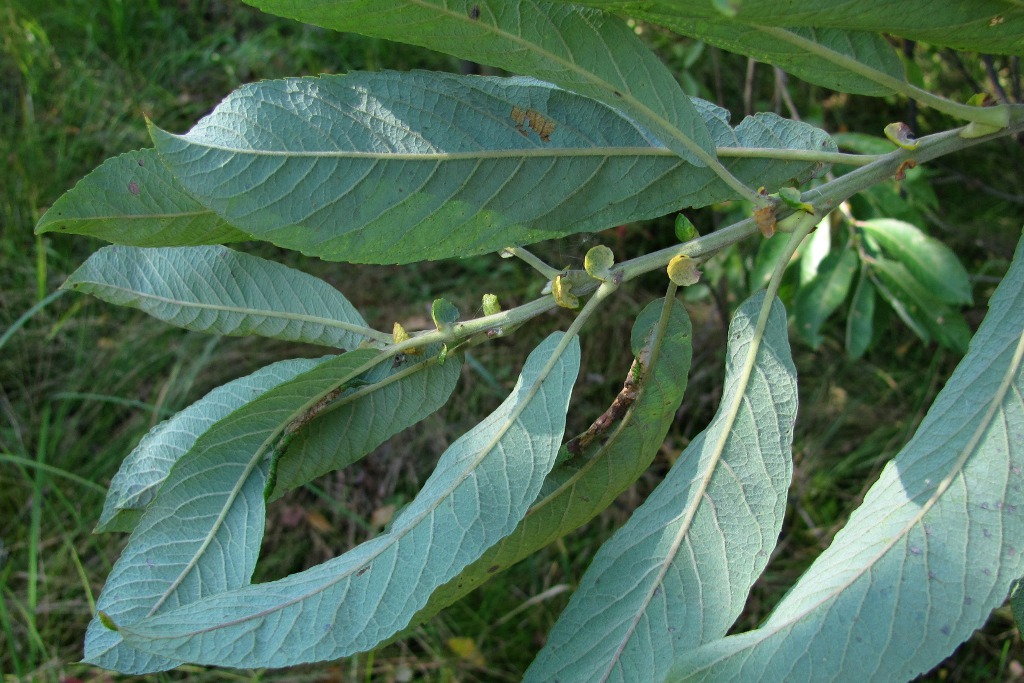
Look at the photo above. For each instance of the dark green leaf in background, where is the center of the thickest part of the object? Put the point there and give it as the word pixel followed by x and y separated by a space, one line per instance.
pixel 819 298
pixel 860 319
pixel 933 264
pixel 926 315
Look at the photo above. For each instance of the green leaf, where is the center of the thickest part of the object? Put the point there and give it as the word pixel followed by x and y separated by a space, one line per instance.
pixel 144 470
pixel 1017 604
pixel 577 49
pixel 358 422
pixel 862 143
pixel 819 298
pixel 581 488
pixel 420 166
pixel 977 26
pixel 800 51
pixel 444 313
pixel 677 573
pixel 930 261
pixel 768 253
pixel 929 554
pixel 813 252
pixel 218 290
pixel 201 534
pixel 860 319
pixel 133 199
pixel 928 317
pixel 480 489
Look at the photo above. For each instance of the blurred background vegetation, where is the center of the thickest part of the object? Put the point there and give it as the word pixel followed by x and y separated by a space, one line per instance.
pixel 81 381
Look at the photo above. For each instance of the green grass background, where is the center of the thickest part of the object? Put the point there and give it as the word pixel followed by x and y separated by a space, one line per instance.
pixel 81 381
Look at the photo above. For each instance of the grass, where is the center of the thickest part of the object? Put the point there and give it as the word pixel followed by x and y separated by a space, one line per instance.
pixel 80 382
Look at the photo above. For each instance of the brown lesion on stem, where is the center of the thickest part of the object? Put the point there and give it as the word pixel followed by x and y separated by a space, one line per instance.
pixel 311 412
pixel 623 401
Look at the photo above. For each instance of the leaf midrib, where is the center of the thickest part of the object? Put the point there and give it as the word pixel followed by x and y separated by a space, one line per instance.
pixel 297 317
pixel 966 452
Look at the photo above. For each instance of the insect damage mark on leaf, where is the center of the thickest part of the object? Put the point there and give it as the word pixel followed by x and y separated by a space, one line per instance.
pixel 625 398
pixel 538 123
pixel 133 187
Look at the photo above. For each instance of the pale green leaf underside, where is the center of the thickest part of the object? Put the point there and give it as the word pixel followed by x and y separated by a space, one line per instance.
pixel 133 199
pixel 146 467
pixel 360 422
pixel 977 25
pixel 218 290
pixel 931 551
pixel 577 49
pixel 678 572
pixel 480 489
pixel 201 534
pixel 398 167
pixel 581 488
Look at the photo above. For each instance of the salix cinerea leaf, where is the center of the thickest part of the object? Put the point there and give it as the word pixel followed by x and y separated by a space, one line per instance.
pixel 144 470
pixel 677 574
pixel 932 550
pixel 218 290
pixel 859 62
pixel 581 50
pixel 482 486
pixel 417 166
pixel 586 483
pixel 133 199
pixel 201 534
pixel 995 26
pixel 359 421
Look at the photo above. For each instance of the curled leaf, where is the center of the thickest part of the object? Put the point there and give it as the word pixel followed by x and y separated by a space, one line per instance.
pixel 491 305
pixel 683 271
pixel 685 229
pixel 443 313
pixel 790 196
pixel 598 262
pixel 901 135
pixel 561 289
pixel 400 335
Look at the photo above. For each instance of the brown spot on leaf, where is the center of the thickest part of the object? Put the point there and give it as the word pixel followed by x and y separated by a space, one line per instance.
pixel 537 122
pixel 142 162
pixel 493 568
pixel 474 12
pixel 133 187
